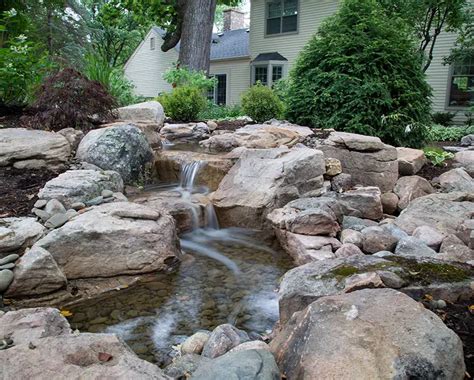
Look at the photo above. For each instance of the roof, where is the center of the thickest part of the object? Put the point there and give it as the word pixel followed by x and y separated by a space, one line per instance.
pixel 269 57
pixel 225 45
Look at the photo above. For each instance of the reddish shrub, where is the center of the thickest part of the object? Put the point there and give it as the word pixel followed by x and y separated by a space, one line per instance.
pixel 68 99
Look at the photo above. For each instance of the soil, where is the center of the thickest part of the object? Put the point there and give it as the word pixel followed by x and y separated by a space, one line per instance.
pixel 18 189
pixel 231 125
pixel 429 171
pixel 459 318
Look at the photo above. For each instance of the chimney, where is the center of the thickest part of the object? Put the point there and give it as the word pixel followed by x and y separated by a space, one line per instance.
pixel 233 19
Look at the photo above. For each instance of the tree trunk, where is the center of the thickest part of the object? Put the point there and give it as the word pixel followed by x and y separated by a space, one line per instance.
pixel 196 35
pixel 49 33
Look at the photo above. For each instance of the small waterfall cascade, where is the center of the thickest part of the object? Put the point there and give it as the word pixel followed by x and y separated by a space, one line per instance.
pixel 189 172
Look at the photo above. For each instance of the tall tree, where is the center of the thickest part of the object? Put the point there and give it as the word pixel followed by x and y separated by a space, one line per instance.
pixel 188 22
pixel 428 18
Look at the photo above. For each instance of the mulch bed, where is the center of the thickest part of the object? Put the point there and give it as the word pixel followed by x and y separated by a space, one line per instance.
pixel 429 171
pixel 18 189
pixel 231 125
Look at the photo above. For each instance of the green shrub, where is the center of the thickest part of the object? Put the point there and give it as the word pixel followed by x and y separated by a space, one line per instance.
pixel 443 118
pixel 361 73
pixel 182 76
pixel 217 112
pixel 261 103
pixel 437 156
pixel 441 133
pixel 183 103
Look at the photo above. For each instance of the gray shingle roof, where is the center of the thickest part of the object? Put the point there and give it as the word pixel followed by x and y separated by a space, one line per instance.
pixel 275 56
pixel 226 45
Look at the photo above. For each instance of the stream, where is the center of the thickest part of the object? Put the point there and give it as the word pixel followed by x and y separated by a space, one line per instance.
pixel 226 276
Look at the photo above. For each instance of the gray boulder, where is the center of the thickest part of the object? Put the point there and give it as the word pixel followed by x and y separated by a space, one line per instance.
pixel 114 239
pixel 453 249
pixel 124 149
pixel 76 186
pixel 19 233
pixel 430 236
pixel 184 366
pixel 368 334
pixel 185 133
pixel 222 339
pixel 465 159
pixel 33 149
pixel 456 180
pixel 73 136
pixel 376 239
pixel 266 179
pixel 410 161
pixel 151 112
pixel 240 365
pixel 409 188
pixel 467 140
pixel 356 224
pixel 411 246
pixel 362 202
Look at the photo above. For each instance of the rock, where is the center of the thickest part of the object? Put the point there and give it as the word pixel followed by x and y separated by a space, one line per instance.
pixel 6 278
pixel 308 216
pixel 43 215
pixel 368 280
pixel 40 203
pixel 456 180
pixel 349 236
pixel 363 202
pixel 95 201
pixel 376 239
pixel 465 160
pixel 54 207
pixel 212 125
pixel 347 250
pixel 79 186
pixel 445 212
pixel 251 345
pixel 78 206
pixel 127 239
pixel 9 259
pixel 7 266
pixel 453 249
pixel 57 220
pixel 333 167
pixel 247 364
pixel 185 133
pixel 33 149
pixel 383 254
pixel 36 273
pixel 410 161
pixel 85 356
pixel 394 230
pixel 151 112
pixel 389 203
pixel 123 149
pixel 107 193
pixel 212 167
pixel 305 284
pixel 411 246
pixel 304 248
pixel 266 179
pixel 195 343
pixel 19 233
pixel 71 213
pixel 25 325
pixel 356 224
pixel 467 140
pixel 73 136
pixel 184 366
pixel 222 339
pixel 365 158
pixel 409 188
pixel 430 236
pixel 386 335
pixel 258 136
pixel 341 182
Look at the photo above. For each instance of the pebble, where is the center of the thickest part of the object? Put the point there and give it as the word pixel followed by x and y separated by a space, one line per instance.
pixel 9 259
pixel 78 206
pixel 107 193
pixel 40 203
pixel 95 201
pixel 7 266
pixel 6 278
pixel 71 213
pixel 54 207
pixel 57 220
pixel 43 215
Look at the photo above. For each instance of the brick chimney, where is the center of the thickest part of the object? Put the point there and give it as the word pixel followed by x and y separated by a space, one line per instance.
pixel 233 19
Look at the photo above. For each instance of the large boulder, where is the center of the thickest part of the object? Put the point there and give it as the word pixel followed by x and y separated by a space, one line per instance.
pixel 361 202
pixel 36 273
pixel 409 188
pixel 114 239
pixel 123 149
pixel 456 180
pixel 151 112
pixel 305 284
pixel 33 149
pixel 258 136
pixel 265 179
pixel 445 212
pixel 309 216
pixel 410 161
pixel 213 168
pixel 222 339
pixel 465 159
pixel 246 364
pixel 368 334
pixel 185 133
pixel 18 233
pixel 80 186
pixel 369 161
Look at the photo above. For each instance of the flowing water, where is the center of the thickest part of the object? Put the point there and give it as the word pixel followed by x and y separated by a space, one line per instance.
pixel 227 276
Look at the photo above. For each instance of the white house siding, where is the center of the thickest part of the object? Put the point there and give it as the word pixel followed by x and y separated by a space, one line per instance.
pixel 238 77
pixel 145 67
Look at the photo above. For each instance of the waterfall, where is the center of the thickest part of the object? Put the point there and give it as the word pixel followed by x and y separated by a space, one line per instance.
pixel 211 217
pixel 188 175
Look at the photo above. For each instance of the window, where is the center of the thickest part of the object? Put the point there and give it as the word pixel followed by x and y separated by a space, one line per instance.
pixel 282 16
pixel 461 92
pixel 261 74
pixel 152 43
pixel 277 73
pixel 218 94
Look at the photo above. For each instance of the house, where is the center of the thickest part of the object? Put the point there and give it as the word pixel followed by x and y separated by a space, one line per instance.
pixel 265 52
